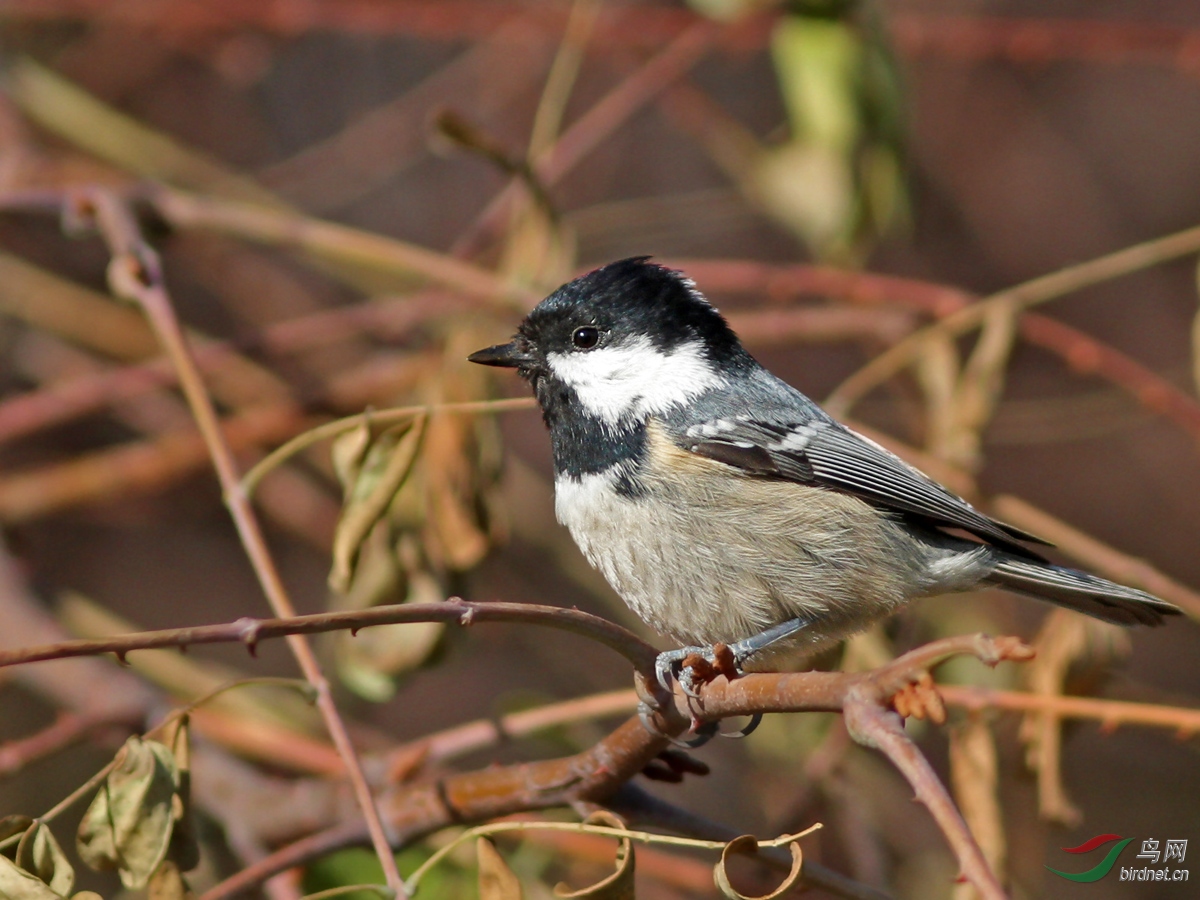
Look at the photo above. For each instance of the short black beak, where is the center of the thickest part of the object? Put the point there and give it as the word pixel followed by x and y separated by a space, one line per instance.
pixel 507 356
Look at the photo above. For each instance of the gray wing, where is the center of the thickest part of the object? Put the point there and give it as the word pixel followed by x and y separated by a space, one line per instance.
pixel 827 454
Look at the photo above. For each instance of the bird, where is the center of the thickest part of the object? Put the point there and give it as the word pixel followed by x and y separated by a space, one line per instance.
pixel 727 508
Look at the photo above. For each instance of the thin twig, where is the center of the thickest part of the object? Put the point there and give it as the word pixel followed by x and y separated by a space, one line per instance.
pixel 135 274
pixel 66 730
pixel 593 127
pixel 1030 293
pixel 250 631
pixel 328 240
pixel 1184 721
pixel 65 400
pixel 471 737
pixel 873 726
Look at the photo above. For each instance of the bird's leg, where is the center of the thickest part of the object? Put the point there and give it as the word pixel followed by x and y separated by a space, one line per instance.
pixel 722 659
pixel 692 665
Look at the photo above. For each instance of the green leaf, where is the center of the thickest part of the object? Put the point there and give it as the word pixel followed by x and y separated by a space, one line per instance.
pixel 39 854
pixel 818 62
pixel 129 824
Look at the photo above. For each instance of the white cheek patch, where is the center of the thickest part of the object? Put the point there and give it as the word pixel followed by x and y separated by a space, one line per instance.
pixel 635 379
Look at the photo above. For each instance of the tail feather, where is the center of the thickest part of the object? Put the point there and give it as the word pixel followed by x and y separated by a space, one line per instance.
pixel 1082 592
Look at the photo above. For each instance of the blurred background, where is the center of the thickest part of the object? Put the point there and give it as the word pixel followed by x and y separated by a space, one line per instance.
pixel 834 175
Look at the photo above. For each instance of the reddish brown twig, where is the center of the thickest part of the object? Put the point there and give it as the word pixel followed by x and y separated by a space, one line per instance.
pixel 594 126
pixel 250 631
pixel 135 274
pixel 596 773
pixel 1110 714
pixel 66 400
pixel 66 730
pixel 1045 40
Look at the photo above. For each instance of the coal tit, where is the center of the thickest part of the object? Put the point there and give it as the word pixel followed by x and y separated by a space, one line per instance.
pixel 724 506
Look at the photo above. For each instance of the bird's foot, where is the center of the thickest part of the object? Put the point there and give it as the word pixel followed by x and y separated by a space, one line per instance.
pixel 692 666
pixel 699 665
pixel 921 700
pixel 653 701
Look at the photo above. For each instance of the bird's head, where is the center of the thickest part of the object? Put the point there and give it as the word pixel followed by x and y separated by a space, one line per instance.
pixel 625 341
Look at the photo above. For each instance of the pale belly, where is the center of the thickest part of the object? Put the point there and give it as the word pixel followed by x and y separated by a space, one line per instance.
pixel 709 558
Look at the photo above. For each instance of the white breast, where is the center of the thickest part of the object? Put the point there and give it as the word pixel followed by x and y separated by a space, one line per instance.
pixel 707 556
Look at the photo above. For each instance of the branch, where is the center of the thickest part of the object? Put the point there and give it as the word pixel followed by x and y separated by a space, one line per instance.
pixel 66 730
pixel 135 274
pixel 327 240
pixel 250 631
pixel 596 774
pixel 68 399
pixel 593 127
pixel 1185 722
pixel 1030 293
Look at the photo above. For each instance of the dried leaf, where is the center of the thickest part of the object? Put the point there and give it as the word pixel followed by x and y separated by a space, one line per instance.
pixel 184 851
pixel 387 463
pixel 981 385
pixel 168 883
pixel 973 774
pixel 456 542
pixel 17 884
pixel 369 661
pixel 460 467
pixel 348 452
pixel 1196 340
pixel 129 824
pixel 617 885
pixel 496 879
pixel 748 845
pixel 39 854
pixel 1066 638
pixel 937 371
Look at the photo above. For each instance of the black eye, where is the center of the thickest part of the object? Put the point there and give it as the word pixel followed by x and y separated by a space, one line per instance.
pixel 586 337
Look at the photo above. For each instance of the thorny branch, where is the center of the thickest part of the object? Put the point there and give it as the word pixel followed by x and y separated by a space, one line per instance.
pixel 250 631
pixel 135 274
pixel 595 774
